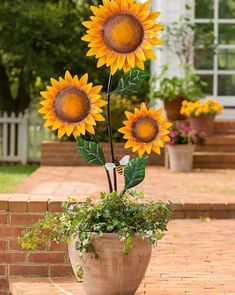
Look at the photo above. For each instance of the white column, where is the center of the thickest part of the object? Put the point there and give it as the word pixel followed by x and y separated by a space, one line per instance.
pixel 170 10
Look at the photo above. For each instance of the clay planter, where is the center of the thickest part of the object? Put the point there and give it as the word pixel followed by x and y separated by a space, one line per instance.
pixel 113 273
pixel 181 157
pixel 203 124
pixel 173 109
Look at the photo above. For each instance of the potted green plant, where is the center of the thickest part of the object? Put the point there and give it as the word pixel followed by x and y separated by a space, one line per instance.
pixel 110 240
pixel 182 146
pixel 202 114
pixel 173 91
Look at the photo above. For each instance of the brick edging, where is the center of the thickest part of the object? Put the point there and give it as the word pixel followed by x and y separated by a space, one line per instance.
pixel 41 203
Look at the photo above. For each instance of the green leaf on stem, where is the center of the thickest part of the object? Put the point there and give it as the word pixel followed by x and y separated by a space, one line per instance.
pixel 131 82
pixel 134 172
pixel 90 151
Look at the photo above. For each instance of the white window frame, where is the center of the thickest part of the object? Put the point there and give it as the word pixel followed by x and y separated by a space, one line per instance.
pixel 228 101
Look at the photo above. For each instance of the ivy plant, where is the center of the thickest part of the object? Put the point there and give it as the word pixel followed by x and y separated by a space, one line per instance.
pixel 113 213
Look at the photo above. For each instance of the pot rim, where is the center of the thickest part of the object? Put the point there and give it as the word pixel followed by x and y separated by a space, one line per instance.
pixel 181 145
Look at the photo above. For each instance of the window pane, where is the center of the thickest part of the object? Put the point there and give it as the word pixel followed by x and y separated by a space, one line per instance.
pixel 226 59
pixel 203 28
pixel 203 60
pixel 204 9
pixel 227 33
pixel 208 89
pixel 226 85
pixel 226 9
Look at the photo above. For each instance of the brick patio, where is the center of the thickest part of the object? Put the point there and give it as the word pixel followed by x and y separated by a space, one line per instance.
pixel 197 187
pixel 194 258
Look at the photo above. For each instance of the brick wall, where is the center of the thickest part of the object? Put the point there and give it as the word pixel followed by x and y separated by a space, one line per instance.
pixel 18 212
pixel 65 154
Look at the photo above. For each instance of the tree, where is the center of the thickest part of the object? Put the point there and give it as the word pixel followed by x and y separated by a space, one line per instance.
pixel 40 39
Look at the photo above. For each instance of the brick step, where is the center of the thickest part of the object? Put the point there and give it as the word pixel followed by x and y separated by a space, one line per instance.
pixel 218 143
pixel 224 127
pixel 215 160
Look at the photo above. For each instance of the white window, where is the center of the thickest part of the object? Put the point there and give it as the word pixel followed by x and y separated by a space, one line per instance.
pixel 218 70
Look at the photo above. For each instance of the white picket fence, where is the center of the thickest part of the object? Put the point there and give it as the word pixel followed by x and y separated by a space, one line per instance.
pixel 21 137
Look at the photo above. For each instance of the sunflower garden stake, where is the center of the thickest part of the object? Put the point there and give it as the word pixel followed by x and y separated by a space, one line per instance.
pixel 110 240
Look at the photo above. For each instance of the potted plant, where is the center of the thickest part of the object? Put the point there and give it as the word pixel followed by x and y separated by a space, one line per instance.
pixel 182 146
pixel 189 43
pixel 202 114
pixel 173 91
pixel 110 240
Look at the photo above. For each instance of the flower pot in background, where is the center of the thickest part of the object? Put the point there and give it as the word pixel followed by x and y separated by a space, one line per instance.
pixel 203 124
pixel 181 157
pixel 173 108
pixel 113 273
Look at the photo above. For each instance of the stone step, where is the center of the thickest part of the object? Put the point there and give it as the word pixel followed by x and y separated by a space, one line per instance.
pixel 215 160
pixel 224 127
pixel 219 143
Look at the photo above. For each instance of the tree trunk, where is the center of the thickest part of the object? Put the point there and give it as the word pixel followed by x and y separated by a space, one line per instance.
pixel 23 96
pixel 7 103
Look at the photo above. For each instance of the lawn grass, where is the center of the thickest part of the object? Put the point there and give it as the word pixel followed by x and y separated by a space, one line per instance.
pixel 12 175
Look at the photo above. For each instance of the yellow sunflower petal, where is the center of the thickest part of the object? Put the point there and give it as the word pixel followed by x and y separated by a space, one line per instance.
pixel 148 148
pixel 90 129
pixel 96 89
pixel 141 151
pixel 48 123
pixel 68 76
pixel 69 129
pixel 84 79
pixel 98 117
pixel 157 150
pixel 129 144
pixel 56 125
pixel 61 131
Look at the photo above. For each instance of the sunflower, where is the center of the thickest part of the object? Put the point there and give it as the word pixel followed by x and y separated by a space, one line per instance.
pixel 122 34
pixel 72 106
pixel 145 130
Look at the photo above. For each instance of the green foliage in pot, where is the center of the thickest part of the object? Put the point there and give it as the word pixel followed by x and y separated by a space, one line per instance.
pixel 123 214
pixel 188 87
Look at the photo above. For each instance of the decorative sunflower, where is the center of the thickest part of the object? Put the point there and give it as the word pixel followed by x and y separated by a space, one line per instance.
pixel 122 34
pixel 145 130
pixel 72 106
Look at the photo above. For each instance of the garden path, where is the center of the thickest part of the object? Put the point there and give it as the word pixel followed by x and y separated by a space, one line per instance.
pixel 199 186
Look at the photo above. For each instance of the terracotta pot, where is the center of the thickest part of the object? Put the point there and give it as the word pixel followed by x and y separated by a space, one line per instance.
pixel 113 273
pixel 203 124
pixel 181 157
pixel 173 109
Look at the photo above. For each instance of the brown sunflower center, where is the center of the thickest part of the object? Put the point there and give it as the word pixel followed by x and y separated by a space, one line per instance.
pixel 145 129
pixel 123 33
pixel 72 105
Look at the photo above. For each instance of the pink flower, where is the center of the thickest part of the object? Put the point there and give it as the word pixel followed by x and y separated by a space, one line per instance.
pixel 174 133
pixel 186 128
